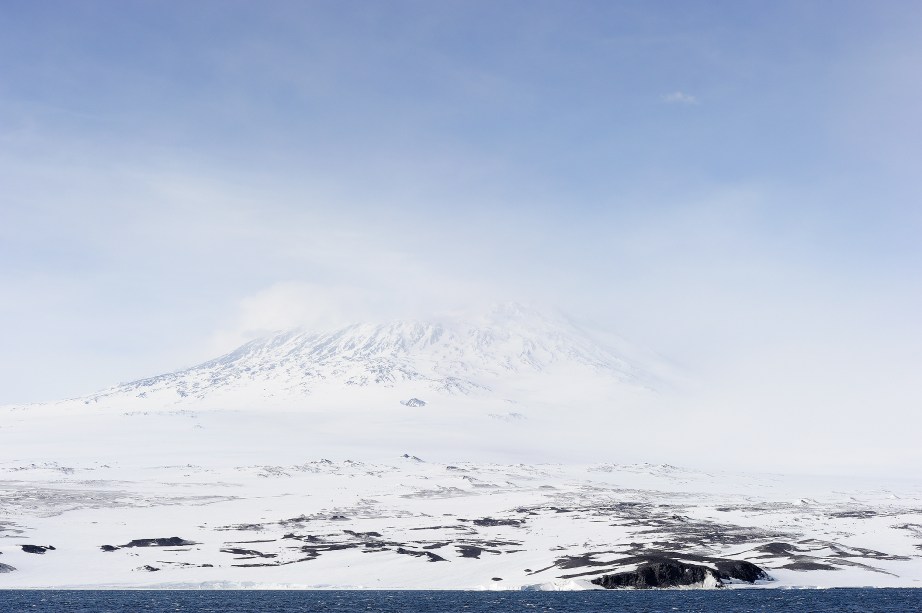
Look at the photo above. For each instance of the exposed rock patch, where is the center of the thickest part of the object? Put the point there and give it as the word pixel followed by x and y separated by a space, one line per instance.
pixel 469 551
pixel 489 522
pixel 433 557
pixel 248 553
pixel 740 570
pixel 40 549
pixel 173 541
pixel 363 535
pixel 809 566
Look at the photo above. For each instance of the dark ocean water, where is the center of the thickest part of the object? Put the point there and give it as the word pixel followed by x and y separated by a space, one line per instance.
pixel 725 601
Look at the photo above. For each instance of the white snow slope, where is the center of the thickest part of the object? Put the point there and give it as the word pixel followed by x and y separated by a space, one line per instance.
pixel 409 455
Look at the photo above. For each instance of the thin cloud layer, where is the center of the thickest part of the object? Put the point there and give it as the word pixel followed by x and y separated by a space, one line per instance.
pixel 678 97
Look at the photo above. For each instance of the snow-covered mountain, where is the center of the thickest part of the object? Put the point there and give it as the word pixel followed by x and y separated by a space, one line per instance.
pixel 450 355
pixel 510 383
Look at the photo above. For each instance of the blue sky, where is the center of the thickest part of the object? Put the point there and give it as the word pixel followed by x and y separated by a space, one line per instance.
pixel 735 184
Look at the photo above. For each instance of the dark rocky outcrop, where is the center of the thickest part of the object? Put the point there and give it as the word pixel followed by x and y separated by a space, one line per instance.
pixel 489 522
pixel 148 568
pixel 469 551
pixel 108 547
pixel 777 549
pixel 740 570
pixel 6 568
pixel 864 514
pixel 249 553
pixel 413 402
pixel 173 541
pixel 433 557
pixel 666 573
pixel 363 535
pixel 808 565
pixel 37 548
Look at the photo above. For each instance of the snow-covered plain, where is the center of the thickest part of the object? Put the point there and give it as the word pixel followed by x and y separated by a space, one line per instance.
pixel 300 461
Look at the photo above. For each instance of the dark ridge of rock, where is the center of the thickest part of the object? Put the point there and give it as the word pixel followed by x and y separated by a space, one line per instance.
pixel 740 570
pixel 433 557
pixel 256 564
pixel 307 538
pixel 497 578
pixel 808 566
pixel 206 565
pixel 295 521
pixel 778 549
pixel 362 534
pixel 489 522
pixel 108 548
pixel 666 573
pixel 173 541
pixel 855 514
pixel 242 527
pixel 6 568
pixel 148 568
pixel 329 547
pixel 442 527
pixel 469 551
pixel 40 549
pixel 252 553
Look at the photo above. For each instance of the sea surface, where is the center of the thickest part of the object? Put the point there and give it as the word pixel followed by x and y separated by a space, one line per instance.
pixel 251 601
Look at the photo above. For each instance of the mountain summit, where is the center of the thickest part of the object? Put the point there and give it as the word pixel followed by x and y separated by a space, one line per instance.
pixel 508 345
